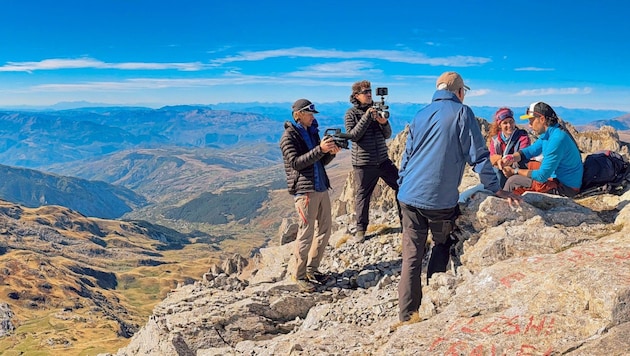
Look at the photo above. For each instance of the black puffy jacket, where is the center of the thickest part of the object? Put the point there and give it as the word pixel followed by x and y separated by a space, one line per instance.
pixel 299 161
pixel 369 146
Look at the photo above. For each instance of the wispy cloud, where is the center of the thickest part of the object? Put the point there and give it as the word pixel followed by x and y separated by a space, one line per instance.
pixel 343 69
pixel 555 91
pixel 410 57
pixel 478 92
pixel 155 83
pixel 84 63
pixel 534 69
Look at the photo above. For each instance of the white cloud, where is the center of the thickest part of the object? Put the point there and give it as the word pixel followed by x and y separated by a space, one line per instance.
pixel 343 69
pixel 478 92
pixel 534 69
pixel 83 63
pixel 410 57
pixel 154 83
pixel 555 91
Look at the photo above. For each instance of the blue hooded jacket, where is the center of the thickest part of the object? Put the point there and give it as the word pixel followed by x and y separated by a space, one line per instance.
pixel 443 137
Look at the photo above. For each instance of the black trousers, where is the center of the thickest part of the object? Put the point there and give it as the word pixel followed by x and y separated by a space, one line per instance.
pixel 415 225
pixel 366 178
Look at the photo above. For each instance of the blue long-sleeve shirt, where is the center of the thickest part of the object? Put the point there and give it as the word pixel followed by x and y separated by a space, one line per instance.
pixel 561 158
pixel 443 137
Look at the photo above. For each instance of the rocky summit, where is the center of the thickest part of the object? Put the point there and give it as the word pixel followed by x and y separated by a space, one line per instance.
pixel 548 277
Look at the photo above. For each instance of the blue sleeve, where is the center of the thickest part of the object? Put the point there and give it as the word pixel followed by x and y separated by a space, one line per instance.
pixel 552 154
pixel 532 150
pixel 475 150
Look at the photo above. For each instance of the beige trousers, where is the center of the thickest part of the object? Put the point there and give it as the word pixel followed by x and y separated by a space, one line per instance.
pixel 312 208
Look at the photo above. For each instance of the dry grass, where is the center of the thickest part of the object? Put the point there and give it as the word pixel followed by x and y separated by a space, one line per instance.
pixel 58 309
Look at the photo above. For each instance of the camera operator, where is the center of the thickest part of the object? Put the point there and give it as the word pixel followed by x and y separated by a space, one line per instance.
pixel 368 128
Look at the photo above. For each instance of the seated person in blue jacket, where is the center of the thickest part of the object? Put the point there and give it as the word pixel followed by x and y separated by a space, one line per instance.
pixel 505 138
pixel 560 171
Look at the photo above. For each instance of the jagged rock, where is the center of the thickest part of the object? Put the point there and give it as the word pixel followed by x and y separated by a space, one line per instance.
pixel 606 138
pixel 215 270
pixel 287 231
pixel 6 325
pixel 234 264
pixel 271 263
pixel 623 218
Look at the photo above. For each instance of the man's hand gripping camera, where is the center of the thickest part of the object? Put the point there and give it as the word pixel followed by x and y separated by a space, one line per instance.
pixel 340 138
pixel 379 106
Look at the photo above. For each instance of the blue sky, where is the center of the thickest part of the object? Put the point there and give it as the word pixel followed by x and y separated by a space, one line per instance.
pixel 154 53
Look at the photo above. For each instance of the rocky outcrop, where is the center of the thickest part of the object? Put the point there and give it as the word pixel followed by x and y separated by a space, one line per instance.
pixel 550 276
pixel 6 325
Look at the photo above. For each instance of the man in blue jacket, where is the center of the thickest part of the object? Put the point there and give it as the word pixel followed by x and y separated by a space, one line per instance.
pixel 443 137
pixel 561 168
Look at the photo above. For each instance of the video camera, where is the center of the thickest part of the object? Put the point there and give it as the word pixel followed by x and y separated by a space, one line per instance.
pixel 380 106
pixel 340 138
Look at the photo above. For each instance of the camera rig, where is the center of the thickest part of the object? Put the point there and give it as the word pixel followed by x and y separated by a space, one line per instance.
pixel 380 106
pixel 341 139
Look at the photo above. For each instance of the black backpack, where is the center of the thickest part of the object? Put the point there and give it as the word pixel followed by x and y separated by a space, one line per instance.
pixel 604 172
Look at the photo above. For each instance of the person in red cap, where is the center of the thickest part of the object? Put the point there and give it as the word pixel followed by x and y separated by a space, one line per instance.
pixel 505 138
pixel 305 156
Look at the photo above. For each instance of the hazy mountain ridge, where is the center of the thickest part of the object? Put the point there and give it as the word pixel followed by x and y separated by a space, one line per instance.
pixel 619 123
pixel 33 188
pixel 39 139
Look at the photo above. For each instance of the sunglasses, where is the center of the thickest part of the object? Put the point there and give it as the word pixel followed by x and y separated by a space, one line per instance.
pixel 532 119
pixel 310 107
pixel 365 91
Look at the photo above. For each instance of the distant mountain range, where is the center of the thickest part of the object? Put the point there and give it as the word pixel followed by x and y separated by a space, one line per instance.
pixel 620 123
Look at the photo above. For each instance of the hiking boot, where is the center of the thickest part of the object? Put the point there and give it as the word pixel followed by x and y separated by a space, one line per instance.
pixel 317 277
pixel 358 237
pixel 305 286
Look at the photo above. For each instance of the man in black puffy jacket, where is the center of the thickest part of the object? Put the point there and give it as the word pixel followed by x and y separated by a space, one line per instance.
pixel 305 156
pixel 368 130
